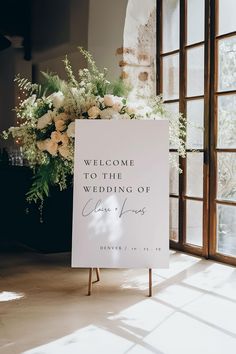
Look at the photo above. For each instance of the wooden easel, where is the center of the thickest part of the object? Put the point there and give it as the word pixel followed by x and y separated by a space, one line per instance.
pixel 90 282
pixel 91 279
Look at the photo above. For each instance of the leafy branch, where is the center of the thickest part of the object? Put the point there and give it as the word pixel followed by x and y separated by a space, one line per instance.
pixel 69 72
pixel 40 186
pixel 26 85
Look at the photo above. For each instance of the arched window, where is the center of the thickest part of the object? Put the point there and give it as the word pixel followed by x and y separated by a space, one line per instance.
pixel 196 72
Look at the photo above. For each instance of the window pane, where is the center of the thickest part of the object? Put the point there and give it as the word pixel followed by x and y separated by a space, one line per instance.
pixel 174 219
pixel 227 9
pixel 194 222
pixel 195 116
pixel 227 64
pixel 195 21
pixel 174 173
pixel 195 174
pixel 227 121
pixel 172 107
pixel 171 77
pixel 226 229
pixel 226 176
pixel 195 71
pixel 170 25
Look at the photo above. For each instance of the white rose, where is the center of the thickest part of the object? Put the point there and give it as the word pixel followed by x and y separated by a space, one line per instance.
pixel 45 120
pixel 94 112
pixel 65 152
pixel 61 116
pixel 107 113
pixel 51 146
pixel 57 99
pixel 117 106
pixel 132 109
pixel 71 130
pixel 41 145
pixel 109 100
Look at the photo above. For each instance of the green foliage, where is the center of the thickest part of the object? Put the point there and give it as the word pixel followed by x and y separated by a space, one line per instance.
pixel 28 86
pixel 42 109
pixel 69 71
pixel 120 88
pixel 40 186
pixel 45 133
pixel 101 87
pixel 56 172
pixel 52 83
pixel 95 80
pixel 90 60
pixel 52 159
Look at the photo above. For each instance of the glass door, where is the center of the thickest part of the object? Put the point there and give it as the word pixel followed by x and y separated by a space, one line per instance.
pixel 196 73
pixel 223 128
pixel 181 57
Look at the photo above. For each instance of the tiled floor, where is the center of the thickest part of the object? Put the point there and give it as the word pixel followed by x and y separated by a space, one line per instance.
pixel 44 308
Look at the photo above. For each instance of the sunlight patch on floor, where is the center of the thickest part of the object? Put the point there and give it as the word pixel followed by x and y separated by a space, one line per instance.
pixel 10 296
pixel 90 339
pixel 142 317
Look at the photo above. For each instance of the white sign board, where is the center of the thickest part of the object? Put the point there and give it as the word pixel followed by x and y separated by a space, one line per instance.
pixel 121 204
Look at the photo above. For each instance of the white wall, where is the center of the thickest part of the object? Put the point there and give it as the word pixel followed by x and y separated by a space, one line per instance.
pixel 140 38
pixel 105 33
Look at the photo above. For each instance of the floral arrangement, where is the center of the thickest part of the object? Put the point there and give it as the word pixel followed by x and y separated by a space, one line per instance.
pixel 46 120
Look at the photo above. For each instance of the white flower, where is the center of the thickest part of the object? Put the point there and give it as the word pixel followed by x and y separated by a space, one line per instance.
pixel 57 99
pixel 107 113
pixel 65 152
pixel 71 130
pixel 45 120
pixel 30 100
pixel 109 100
pixel 132 109
pixel 144 112
pixel 113 101
pixel 74 91
pixel 60 125
pixel 94 112
pixel 51 146
pixel 41 145
pixel 117 106
pixel 61 116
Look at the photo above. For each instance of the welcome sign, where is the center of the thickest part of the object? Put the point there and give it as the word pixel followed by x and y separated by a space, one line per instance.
pixel 121 207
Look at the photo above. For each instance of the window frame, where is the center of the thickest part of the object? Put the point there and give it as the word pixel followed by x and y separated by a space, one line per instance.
pixel 210 150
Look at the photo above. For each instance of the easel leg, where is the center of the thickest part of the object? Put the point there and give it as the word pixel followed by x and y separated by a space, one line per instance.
pixel 150 283
pixel 98 274
pixel 90 281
